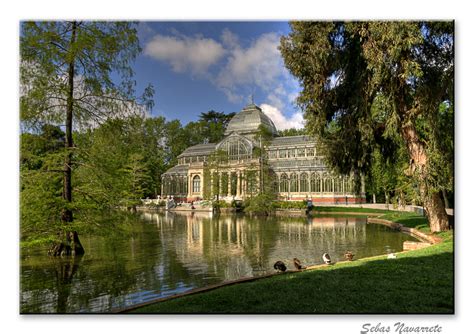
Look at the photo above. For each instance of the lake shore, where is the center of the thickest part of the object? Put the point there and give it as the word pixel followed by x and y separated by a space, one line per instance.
pixel 418 281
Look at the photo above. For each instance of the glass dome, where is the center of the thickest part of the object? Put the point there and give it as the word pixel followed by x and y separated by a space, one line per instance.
pixel 248 120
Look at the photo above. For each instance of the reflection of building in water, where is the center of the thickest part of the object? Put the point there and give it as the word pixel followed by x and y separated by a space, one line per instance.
pixel 231 168
pixel 235 246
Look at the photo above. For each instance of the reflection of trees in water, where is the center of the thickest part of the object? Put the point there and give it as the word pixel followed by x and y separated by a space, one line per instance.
pixel 170 251
pixel 225 246
pixel 117 269
pixel 232 246
pixel 65 270
pixel 309 240
pixel 261 237
pixel 49 284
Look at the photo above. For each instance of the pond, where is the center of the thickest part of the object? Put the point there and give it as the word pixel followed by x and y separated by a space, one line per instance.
pixel 167 253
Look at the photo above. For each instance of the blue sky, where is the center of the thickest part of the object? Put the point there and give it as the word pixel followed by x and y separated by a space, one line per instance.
pixel 199 66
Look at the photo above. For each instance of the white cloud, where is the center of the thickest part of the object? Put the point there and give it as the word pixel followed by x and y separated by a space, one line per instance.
pixel 275 100
pixel 185 53
pixel 280 120
pixel 260 64
pixel 232 96
pixel 229 39
pixel 242 70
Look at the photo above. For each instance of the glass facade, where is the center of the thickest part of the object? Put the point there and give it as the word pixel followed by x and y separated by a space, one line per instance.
pixel 297 172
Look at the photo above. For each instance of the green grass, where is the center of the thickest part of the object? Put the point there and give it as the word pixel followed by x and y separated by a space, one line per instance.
pixel 420 281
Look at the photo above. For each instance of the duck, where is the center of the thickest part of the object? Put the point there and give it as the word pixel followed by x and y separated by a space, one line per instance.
pixel 297 264
pixel 280 266
pixel 349 255
pixel 326 258
pixel 391 256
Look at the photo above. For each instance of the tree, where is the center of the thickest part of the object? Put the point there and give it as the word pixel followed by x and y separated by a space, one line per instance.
pixel 40 183
pixel 264 137
pixel 213 125
pixel 365 82
pixel 217 162
pixel 137 180
pixel 265 190
pixel 66 78
pixel 292 132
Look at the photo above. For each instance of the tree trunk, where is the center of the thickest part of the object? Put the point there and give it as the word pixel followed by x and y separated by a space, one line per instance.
pixel 71 245
pixel 68 245
pixel 65 271
pixel 435 209
pixel 66 215
pixel 445 198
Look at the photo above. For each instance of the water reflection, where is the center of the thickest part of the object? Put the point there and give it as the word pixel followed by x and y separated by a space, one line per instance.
pixel 166 253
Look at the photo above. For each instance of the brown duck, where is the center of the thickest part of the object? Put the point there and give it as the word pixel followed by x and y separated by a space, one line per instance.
pixel 297 264
pixel 349 255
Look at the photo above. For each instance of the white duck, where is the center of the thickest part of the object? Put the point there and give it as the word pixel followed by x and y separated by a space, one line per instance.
pixel 326 258
pixel 391 256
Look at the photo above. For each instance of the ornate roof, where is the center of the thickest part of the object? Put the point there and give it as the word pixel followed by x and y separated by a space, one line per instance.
pixel 201 149
pixel 178 169
pixel 292 141
pixel 248 120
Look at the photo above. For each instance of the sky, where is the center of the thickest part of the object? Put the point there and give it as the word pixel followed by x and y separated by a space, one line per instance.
pixel 200 66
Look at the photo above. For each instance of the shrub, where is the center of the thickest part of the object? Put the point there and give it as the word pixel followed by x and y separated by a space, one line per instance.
pixel 260 204
pixel 220 204
pixel 290 204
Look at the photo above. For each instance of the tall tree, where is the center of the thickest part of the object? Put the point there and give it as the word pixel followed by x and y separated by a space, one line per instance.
pixel 66 78
pixel 213 125
pixel 40 183
pixel 344 67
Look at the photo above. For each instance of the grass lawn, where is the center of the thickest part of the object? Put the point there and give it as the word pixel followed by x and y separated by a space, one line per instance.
pixel 420 281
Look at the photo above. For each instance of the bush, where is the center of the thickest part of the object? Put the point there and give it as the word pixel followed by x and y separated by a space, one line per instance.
pixel 238 205
pixel 220 204
pixel 153 205
pixel 260 204
pixel 290 204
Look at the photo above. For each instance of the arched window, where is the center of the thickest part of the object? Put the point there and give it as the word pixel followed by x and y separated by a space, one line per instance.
pixel 174 184
pixel 338 184
pixel 182 185
pixel 303 183
pixel 165 186
pixel 327 184
pixel 196 184
pixel 293 183
pixel 283 183
pixel 236 149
